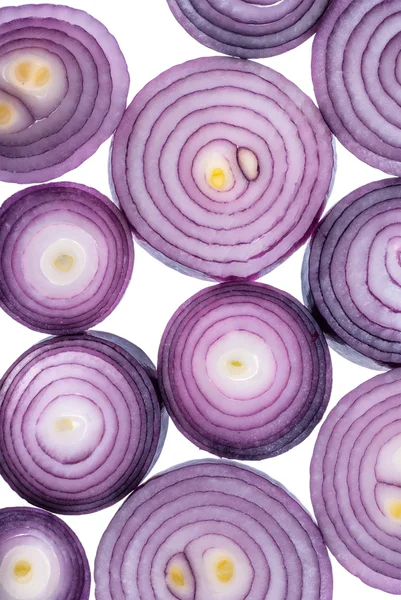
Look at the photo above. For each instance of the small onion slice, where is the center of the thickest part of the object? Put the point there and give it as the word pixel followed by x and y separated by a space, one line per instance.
pixel 63 90
pixel 356 71
pixel 249 28
pixel 356 481
pixel 222 167
pixel 66 257
pixel 80 422
pixel 245 371
pixel 212 529
pixel 352 275
pixel 41 558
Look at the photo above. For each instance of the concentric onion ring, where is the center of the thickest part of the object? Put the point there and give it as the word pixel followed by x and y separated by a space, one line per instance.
pixel 222 167
pixel 212 529
pixel 356 481
pixel 357 76
pixel 247 28
pixel 352 274
pixel 245 371
pixel 41 558
pixel 66 257
pixel 80 422
pixel 63 90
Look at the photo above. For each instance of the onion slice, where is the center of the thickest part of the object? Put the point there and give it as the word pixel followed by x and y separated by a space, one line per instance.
pixel 63 90
pixel 66 257
pixel 247 28
pixel 357 73
pixel 352 275
pixel 41 558
pixel 222 167
pixel 80 422
pixel 356 482
pixel 245 371
pixel 212 529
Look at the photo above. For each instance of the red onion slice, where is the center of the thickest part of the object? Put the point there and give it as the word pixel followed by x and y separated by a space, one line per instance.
pixel 352 274
pixel 212 529
pixel 41 558
pixel 63 90
pixel 245 371
pixel 357 72
pixel 249 29
pixel 80 422
pixel 356 481
pixel 66 257
pixel 222 167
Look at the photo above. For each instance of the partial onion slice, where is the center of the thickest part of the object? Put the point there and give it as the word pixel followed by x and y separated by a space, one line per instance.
pixel 249 28
pixel 66 257
pixel 244 370
pixel 352 274
pixel 356 71
pixel 80 422
pixel 41 558
pixel 356 482
pixel 63 90
pixel 222 167
pixel 212 529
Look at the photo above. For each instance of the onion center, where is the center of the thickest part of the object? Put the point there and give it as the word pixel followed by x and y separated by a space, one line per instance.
pixel 32 74
pixel 23 571
pixel 177 575
pixel 218 178
pixel 64 424
pixel 225 570
pixel 63 262
pixel 5 114
pixel 240 364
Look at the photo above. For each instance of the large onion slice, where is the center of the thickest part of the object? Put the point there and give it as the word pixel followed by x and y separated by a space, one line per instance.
pixel 222 167
pixel 352 274
pixel 80 422
pixel 356 481
pixel 247 28
pixel 63 90
pixel 66 257
pixel 212 529
pixel 244 370
pixel 41 558
pixel 357 73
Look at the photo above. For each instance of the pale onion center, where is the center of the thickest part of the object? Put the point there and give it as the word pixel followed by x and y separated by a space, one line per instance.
pixel 236 367
pixel 395 509
pixel 5 114
pixel 64 424
pixel 64 262
pixel 23 571
pixel 239 364
pixel 217 178
pixel 31 73
pixel 225 570
pixel 177 575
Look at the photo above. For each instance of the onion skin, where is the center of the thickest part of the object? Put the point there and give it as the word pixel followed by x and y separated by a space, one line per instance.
pixel 90 422
pixel 66 210
pixel 84 115
pixel 22 523
pixel 356 77
pixel 247 29
pixel 278 404
pixel 351 275
pixel 355 481
pixel 222 167
pixel 199 506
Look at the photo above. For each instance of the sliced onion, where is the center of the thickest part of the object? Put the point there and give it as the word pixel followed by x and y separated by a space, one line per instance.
pixel 80 422
pixel 63 90
pixel 356 70
pixel 245 371
pixel 356 482
pixel 352 274
pixel 212 529
pixel 222 167
pixel 249 28
pixel 66 257
pixel 41 558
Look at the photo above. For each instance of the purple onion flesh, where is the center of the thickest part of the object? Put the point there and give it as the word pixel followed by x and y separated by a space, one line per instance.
pixel 80 422
pixel 356 71
pixel 244 370
pixel 249 28
pixel 63 90
pixel 222 167
pixel 212 529
pixel 66 257
pixel 356 481
pixel 41 558
pixel 352 274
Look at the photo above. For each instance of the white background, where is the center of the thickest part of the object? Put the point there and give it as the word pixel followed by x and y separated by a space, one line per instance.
pixel 152 41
